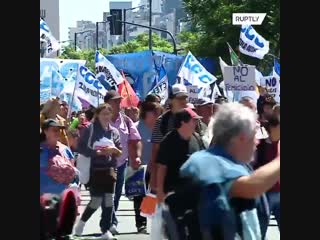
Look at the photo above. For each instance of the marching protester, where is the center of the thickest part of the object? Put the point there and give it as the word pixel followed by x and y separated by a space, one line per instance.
pixel 250 103
pixel 150 111
pixel 51 110
pixel 276 110
pixel 265 106
pixel 152 98
pixel 170 186
pixel 227 180
pixel 56 173
pixel 267 150
pixel 165 123
pixel 206 109
pixel 131 148
pixel 132 113
pixel 100 142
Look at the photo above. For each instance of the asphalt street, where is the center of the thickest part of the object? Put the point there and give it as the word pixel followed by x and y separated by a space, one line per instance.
pixel 127 227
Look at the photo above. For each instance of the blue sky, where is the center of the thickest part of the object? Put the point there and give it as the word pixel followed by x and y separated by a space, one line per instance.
pixel 75 10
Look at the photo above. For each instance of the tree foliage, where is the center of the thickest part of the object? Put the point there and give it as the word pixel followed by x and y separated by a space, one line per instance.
pixel 141 43
pixel 212 20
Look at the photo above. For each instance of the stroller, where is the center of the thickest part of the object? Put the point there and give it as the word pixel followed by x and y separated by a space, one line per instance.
pixel 57 215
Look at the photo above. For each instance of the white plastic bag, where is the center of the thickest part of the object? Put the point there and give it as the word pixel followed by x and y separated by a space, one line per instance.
pixel 84 163
pixel 157 224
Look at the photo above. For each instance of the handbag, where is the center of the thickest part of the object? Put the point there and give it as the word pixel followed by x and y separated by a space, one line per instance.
pixel 103 179
pixel 84 163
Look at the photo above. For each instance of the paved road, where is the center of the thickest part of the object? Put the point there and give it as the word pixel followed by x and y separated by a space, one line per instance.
pixel 127 227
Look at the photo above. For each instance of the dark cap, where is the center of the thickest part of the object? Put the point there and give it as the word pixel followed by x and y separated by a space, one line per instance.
pixel 51 123
pixel 184 115
pixel 112 95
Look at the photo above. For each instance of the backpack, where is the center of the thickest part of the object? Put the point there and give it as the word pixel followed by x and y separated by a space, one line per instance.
pixel 61 169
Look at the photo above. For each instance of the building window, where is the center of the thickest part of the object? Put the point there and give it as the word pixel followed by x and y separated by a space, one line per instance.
pixel 43 13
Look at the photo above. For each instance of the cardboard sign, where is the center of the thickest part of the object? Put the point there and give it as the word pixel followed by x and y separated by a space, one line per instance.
pixel 239 78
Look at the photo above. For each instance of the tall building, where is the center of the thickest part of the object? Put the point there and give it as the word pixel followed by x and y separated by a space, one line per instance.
pixel 49 11
pixel 170 6
pixel 86 34
pixel 156 5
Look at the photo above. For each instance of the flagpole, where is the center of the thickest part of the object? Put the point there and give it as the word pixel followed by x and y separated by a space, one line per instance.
pixel 74 91
pixel 125 85
pixel 181 67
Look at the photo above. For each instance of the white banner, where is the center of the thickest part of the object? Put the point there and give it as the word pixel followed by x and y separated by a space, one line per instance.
pixel 89 88
pixel 106 72
pixel 56 75
pixel 239 78
pixel 272 85
pixel 161 89
pixel 252 43
pixel 52 45
pixel 192 71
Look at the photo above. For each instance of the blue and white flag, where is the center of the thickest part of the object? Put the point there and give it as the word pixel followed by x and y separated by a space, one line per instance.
pixel 89 88
pixel 58 82
pixel 161 87
pixel 47 37
pixel 106 72
pixel 252 43
pixel 192 72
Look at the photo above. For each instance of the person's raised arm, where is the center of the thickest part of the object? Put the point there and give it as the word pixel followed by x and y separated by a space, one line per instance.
pixel 259 182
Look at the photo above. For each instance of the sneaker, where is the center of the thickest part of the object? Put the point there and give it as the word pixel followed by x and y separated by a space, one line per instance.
pixel 142 229
pixel 79 228
pixel 108 236
pixel 113 230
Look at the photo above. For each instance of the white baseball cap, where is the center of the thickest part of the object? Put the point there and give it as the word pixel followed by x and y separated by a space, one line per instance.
pixel 179 90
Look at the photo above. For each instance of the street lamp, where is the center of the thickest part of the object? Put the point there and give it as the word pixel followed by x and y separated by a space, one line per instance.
pixel 75 37
pixel 125 19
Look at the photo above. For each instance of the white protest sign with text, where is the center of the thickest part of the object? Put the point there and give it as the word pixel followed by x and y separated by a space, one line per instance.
pixel 239 78
pixel 272 85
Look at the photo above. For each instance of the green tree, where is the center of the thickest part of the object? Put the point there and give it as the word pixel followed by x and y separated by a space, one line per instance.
pixel 141 43
pixel 86 54
pixel 212 19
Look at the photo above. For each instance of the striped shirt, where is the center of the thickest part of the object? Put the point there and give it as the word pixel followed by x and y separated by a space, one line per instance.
pixel 157 135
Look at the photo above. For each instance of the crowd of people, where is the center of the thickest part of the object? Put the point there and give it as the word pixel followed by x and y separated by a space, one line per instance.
pixel 214 164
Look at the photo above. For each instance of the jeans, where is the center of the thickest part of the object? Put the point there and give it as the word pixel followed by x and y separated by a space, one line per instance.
pixel 118 192
pixel 105 200
pixel 274 204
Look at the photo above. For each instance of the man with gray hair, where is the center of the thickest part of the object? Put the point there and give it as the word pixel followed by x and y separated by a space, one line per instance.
pixel 226 164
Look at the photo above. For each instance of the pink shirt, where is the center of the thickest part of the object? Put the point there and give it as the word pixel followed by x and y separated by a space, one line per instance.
pixel 125 135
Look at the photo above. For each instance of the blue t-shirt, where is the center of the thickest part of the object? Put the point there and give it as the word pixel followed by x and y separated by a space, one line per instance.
pixel 47 184
pixel 145 134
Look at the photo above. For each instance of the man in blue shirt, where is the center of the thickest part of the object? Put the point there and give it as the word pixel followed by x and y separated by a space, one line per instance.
pixel 150 111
